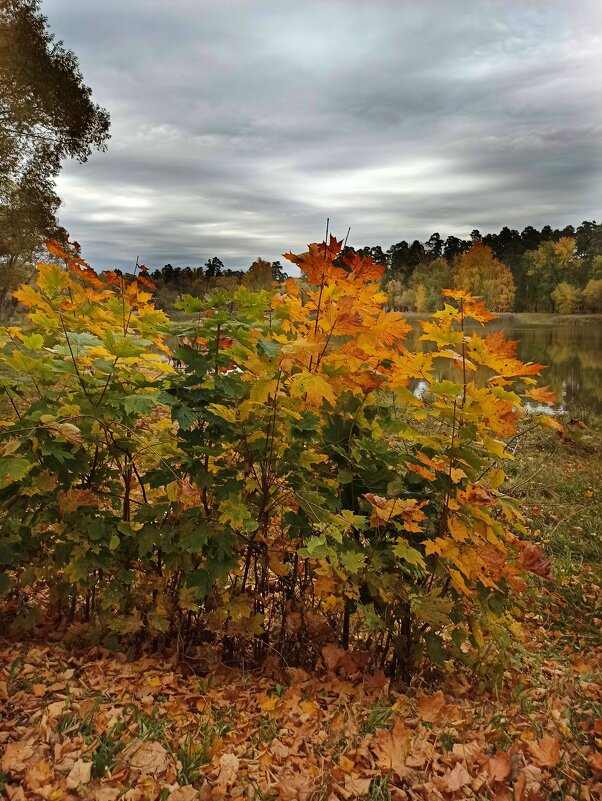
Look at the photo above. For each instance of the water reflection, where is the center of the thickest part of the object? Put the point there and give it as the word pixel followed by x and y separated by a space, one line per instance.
pixel 571 351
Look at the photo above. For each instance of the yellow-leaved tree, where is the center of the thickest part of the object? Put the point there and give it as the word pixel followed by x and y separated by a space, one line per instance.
pixel 482 275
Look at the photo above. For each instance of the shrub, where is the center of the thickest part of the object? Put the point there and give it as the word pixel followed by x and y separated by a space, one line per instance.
pixel 285 488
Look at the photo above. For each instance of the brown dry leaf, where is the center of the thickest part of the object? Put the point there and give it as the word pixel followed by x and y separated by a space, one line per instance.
pixel 357 786
pixel 595 763
pixel 532 777
pixel 392 747
pixel 504 793
pixel 228 769
pixel 105 794
pixel 74 498
pixel 346 764
pixel 295 786
pixel 352 662
pixel 38 775
pixel 80 773
pixel 16 755
pixel 429 707
pixel 499 766
pixel 279 750
pixel 332 655
pixel 454 779
pixel 546 752
pixel 533 560
pixel 56 709
pixel 38 690
pixel 187 793
pixel 466 751
pixel 150 758
pixel 14 793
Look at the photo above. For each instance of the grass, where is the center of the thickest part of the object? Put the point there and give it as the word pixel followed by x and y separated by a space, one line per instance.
pixel 106 749
pixel 378 716
pixel 193 753
pixel 561 484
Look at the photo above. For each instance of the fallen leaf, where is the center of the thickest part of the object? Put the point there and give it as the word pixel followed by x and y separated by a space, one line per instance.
pixel 150 758
pixel 357 785
pixel 595 763
pixel 453 780
pixel 499 766
pixel 295 786
pixel 105 794
pixel 545 752
pixel 391 747
pixel 38 775
pixel 16 755
pixel 187 793
pixel 332 655
pixel 228 769
pixel 429 707
pixel 80 773
pixel 279 750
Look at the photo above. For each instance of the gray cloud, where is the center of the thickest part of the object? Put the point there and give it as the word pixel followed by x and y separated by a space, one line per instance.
pixel 239 126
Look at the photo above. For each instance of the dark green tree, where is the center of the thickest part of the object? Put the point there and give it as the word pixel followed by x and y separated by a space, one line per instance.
pixel 213 267
pixel 46 115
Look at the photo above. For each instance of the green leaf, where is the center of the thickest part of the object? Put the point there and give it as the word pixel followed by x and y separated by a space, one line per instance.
pixel 13 468
pixel 140 404
pixel 344 476
pixel 408 554
pixel 33 341
pixel 353 561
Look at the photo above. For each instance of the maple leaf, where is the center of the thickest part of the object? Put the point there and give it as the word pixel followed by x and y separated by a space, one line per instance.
pixel 499 766
pixel 315 388
pixel 332 655
pixel 595 763
pixel 186 793
pixel 39 775
pixel 429 707
pixel 317 262
pixel 454 780
pixel 16 755
pixel 357 786
pixel 546 752
pixel 541 395
pixel 295 785
pixel 74 498
pixel 421 471
pixel 532 559
pixel 363 267
pixel 391 747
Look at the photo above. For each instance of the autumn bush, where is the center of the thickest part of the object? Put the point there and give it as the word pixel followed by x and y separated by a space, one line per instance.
pixel 281 487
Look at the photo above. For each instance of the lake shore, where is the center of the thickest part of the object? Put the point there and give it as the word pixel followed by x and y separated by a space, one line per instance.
pixel 531 318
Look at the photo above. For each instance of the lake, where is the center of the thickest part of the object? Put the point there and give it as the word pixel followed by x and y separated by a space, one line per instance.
pixel 571 349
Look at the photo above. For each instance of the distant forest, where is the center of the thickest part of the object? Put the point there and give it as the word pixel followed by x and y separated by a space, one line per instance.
pixel 547 270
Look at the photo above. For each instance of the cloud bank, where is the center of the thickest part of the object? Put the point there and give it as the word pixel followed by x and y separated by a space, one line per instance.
pixel 238 127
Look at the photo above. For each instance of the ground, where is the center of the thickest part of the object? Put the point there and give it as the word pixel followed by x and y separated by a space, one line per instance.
pixel 524 723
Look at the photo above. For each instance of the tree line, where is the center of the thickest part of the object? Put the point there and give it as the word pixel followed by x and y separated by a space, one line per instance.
pixel 547 270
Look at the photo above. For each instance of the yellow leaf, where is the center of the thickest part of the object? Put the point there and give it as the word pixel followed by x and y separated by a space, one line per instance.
pixel 314 386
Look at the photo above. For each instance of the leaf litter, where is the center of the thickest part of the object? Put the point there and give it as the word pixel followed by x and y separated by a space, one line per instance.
pixel 89 724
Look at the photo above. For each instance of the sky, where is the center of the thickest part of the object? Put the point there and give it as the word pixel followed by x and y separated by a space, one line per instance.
pixel 239 126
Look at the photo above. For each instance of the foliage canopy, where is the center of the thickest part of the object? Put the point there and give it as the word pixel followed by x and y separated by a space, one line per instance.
pixel 282 489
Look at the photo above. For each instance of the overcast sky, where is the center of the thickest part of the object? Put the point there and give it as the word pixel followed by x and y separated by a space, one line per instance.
pixel 238 126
